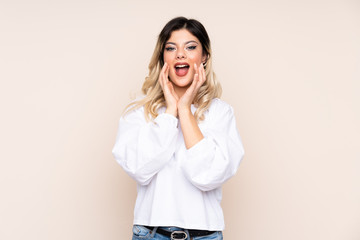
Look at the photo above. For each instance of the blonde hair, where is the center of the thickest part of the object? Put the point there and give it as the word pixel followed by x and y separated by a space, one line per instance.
pixel 154 96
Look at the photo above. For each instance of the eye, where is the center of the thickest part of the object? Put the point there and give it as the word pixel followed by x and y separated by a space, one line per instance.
pixel 191 47
pixel 169 48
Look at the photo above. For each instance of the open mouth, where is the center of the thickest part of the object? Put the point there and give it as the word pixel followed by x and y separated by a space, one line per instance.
pixel 181 69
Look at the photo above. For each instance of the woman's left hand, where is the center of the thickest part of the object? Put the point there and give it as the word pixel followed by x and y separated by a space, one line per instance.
pixel 187 99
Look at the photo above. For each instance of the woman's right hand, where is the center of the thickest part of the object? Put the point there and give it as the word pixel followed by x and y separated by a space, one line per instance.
pixel 171 97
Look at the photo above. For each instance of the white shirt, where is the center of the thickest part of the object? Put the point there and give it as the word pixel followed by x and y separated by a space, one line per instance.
pixel 178 186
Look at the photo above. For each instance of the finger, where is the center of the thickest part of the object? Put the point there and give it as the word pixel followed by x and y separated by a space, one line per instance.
pixel 162 75
pixel 167 72
pixel 196 75
pixel 200 77
pixel 203 72
pixel 196 69
pixel 194 83
pixel 172 91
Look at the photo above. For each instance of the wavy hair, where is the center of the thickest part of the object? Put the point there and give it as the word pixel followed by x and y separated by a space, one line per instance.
pixel 154 96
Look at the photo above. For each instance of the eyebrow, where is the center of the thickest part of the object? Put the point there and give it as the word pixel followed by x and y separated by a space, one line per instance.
pixel 192 41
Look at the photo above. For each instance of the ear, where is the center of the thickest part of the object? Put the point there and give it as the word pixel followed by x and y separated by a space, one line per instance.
pixel 204 58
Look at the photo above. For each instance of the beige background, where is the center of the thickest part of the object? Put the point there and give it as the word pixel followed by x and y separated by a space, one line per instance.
pixel 291 70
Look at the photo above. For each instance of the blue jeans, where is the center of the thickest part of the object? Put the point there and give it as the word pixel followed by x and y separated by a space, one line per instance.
pixel 143 233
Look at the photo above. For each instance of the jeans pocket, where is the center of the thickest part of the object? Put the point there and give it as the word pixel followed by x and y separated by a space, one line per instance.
pixel 215 236
pixel 141 232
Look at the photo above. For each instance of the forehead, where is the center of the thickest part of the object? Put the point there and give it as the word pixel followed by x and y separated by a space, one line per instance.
pixel 182 36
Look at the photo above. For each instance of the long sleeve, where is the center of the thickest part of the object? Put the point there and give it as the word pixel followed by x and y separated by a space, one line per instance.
pixel 217 156
pixel 144 148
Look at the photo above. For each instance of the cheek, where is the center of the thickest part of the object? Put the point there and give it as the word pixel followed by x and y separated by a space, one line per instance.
pixel 167 57
pixel 196 58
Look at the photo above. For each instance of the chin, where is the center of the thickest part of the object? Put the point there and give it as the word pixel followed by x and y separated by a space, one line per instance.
pixel 181 82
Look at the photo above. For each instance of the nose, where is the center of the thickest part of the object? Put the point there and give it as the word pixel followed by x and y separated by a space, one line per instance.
pixel 180 54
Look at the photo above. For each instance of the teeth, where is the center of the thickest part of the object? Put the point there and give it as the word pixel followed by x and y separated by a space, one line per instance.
pixel 180 66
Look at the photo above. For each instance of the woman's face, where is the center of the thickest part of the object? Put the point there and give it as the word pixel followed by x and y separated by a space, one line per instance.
pixel 181 52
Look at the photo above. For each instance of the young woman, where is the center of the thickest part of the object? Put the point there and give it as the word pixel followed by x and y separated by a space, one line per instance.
pixel 179 142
